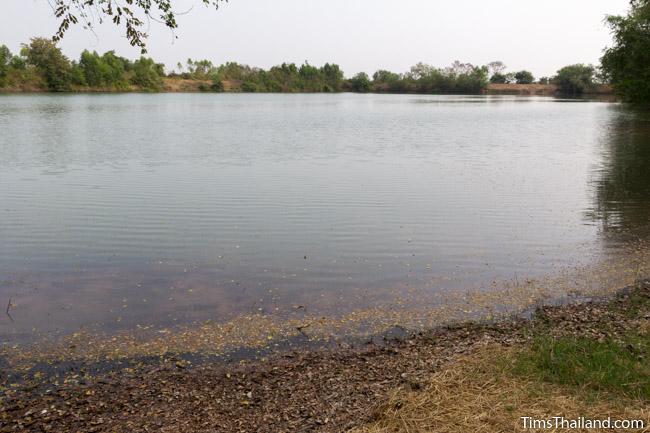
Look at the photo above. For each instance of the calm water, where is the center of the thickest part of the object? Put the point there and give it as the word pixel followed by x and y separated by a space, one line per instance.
pixel 118 210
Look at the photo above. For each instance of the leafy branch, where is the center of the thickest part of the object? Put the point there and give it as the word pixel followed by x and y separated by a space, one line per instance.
pixel 131 15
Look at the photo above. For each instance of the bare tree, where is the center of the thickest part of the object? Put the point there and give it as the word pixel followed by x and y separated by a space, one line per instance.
pixel 496 67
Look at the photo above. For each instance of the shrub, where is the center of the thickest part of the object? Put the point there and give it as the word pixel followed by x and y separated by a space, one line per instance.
pixel 524 77
pixel 575 79
pixel 360 83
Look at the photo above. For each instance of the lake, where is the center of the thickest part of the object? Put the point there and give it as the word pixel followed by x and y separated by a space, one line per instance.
pixel 165 209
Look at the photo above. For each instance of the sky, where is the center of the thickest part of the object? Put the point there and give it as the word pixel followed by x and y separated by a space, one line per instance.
pixel 359 35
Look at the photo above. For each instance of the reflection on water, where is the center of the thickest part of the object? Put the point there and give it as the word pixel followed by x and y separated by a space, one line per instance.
pixel 122 210
pixel 622 185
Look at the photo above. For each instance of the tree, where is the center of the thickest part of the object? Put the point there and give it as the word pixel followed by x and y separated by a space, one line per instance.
pixel 575 79
pixel 496 72
pixel 250 87
pixel 93 69
pixel 543 80
pixel 147 73
pixel 360 83
pixel 420 71
pixel 524 77
pixel 5 60
pixel 388 81
pixel 497 67
pixel 117 66
pixel 627 63
pixel 131 15
pixel 200 69
pixel 498 78
pixel 48 58
pixel 100 71
pixel 333 76
pixel 217 84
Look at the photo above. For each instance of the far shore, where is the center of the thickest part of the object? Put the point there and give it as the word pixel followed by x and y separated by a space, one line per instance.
pixel 183 85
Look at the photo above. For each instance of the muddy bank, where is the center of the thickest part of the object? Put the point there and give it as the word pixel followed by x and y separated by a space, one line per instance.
pixel 541 90
pixel 302 390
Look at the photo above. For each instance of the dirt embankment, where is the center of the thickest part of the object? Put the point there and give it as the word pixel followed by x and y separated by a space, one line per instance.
pixel 326 391
pixel 185 85
pixel 539 89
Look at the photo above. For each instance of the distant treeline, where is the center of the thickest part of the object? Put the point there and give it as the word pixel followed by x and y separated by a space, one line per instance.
pixel 41 65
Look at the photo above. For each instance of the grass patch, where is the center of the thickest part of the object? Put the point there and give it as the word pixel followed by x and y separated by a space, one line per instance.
pixel 573 375
pixel 618 367
pixel 481 394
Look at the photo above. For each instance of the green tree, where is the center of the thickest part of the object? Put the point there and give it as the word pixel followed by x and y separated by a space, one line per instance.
pixel 217 84
pixel 94 70
pixel 310 80
pixel 5 61
pixel 147 74
pixel 200 69
pixel 524 77
pixel 360 83
pixel 116 68
pixel 18 63
pixel 250 87
pixel 107 70
pixel 498 78
pixel 77 75
pixel 575 79
pixel 332 75
pixel 627 63
pixel 386 81
pixel 465 78
pixel 50 61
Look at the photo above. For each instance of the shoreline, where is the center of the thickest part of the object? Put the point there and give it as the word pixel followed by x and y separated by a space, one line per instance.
pixel 178 85
pixel 315 389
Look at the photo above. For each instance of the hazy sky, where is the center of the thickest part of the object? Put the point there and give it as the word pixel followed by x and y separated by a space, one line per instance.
pixel 359 35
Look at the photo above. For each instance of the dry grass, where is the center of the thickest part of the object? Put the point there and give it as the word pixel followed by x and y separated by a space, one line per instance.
pixel 478 394
pixel 185 85
pixel 522 89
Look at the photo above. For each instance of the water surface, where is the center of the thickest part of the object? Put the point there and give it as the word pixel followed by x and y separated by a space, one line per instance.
pixel 118 210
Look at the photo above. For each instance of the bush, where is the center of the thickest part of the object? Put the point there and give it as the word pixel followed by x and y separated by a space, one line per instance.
pixel 360 83
pixel 524 77
pixel 498 78
pixel 575 79
pixel 249 86
pixel 147 74
pixel 217 85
